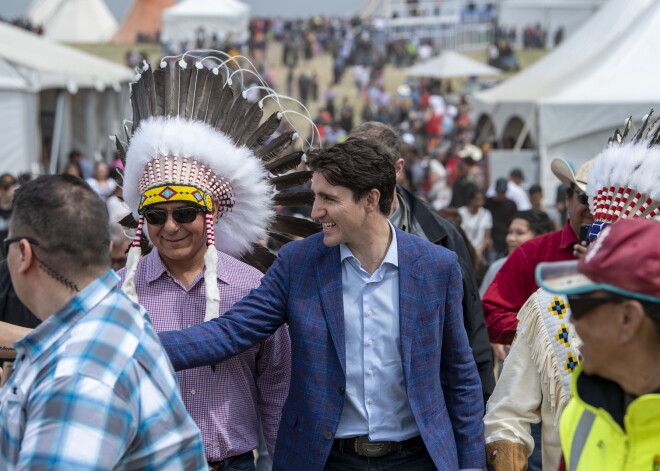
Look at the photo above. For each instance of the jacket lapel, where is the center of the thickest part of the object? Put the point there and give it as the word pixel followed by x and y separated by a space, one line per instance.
pixel 410 287
pixel 328 279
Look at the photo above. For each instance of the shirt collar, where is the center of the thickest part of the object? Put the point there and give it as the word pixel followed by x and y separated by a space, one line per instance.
pixel 155 268
pixel 391 256
pixel 400 216
pixel 53 328
pixel 568 239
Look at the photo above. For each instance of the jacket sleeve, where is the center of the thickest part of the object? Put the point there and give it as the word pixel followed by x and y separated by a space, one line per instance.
pixel 248 322
pixel 460 382
pixel 473 315
pixel 516 401
pixel 511 287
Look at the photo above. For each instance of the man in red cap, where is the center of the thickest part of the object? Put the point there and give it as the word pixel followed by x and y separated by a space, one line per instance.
pixel 613 420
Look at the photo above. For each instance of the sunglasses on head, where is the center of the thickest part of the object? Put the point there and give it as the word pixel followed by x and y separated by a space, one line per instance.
pixel 183 215
pixel 583 303
pixel 582 196
pixel 10 240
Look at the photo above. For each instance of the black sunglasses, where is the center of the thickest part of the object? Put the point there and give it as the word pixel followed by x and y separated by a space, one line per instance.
pixel 183 215
pixel 582 196
pixel 583 303
pixel 10 240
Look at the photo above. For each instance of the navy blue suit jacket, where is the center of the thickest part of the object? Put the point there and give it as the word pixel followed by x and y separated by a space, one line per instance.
pixel 304 289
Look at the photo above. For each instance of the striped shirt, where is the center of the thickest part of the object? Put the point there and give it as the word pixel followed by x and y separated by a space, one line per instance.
pixel 93 389
pixel 226 400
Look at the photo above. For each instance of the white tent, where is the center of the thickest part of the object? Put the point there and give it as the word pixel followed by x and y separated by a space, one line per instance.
pixel 450 64
pixel 550 14
pixel 58 94
pixel 73 21
pixel 186 21
pixel 569 102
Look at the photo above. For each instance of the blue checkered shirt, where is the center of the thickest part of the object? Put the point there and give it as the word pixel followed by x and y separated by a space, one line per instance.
pixel 93 389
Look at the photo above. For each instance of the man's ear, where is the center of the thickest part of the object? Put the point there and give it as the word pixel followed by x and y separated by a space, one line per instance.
pixel 630 321
pixel 373 199
pixel 27 258
pixel 398 167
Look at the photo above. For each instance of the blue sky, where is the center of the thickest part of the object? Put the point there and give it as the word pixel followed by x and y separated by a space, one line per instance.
pixel 289 8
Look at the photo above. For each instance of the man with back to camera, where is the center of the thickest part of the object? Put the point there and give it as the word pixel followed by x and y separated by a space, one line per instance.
pixel 382 373
pixel 412 215
pixel 92 387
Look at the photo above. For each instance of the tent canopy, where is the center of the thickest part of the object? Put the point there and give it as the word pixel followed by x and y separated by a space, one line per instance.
pixel 51 91
pixel 573 98
pixel 550 14
pixel 451 64
pixel 50 65
pixel 144 18
pixel 184 21
pixel 73 21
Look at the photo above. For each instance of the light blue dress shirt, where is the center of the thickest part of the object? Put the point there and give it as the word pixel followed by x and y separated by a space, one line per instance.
pixel 376 401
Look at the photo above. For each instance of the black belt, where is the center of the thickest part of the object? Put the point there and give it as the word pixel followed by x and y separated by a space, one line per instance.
pixel 363 447
pixel 220 465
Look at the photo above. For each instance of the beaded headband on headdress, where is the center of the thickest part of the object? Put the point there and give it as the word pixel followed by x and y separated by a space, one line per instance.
pixel 197 138
pixel 625 180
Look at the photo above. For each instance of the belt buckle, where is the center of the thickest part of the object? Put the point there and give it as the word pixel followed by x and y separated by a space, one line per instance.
pixel 364 447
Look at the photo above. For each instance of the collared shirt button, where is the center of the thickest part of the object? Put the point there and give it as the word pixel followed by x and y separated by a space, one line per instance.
pixel 328 435
pixel 193 392
pixel 369 342
pixel 370 401
pixel 370 371
pixel 374 430
pixel 369 312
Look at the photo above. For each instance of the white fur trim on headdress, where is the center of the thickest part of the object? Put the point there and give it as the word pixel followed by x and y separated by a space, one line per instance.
pixel 625 182
pixel 177 137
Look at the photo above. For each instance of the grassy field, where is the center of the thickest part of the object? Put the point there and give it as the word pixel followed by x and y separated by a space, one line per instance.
pixel 321 65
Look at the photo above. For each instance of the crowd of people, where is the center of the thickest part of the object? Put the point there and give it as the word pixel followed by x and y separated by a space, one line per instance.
pixel 393 304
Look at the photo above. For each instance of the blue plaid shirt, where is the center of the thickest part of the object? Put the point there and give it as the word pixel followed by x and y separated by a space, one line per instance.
pixel 93 389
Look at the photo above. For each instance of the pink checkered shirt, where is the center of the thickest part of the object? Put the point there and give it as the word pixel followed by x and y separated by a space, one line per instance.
pixel 227 400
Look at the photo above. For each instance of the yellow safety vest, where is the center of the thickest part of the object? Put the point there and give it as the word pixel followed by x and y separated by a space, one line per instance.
pixel 592 440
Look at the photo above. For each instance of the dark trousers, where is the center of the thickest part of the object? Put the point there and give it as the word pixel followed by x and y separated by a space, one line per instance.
pixel 535 461
pixel 414 458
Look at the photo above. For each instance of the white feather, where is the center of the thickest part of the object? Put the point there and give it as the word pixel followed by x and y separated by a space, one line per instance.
pixel 162 136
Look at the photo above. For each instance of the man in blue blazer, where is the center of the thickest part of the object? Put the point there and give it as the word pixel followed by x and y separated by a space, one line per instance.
pixel 382 373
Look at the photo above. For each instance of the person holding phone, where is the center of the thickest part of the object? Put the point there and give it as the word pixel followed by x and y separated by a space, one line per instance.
pixel 514 283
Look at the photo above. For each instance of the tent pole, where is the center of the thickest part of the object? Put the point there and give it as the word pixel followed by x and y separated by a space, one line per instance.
pixel 524 132
pixel 58 127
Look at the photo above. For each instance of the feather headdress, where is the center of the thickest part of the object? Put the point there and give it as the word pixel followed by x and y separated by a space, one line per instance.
pixel 197 138
pixel 625 180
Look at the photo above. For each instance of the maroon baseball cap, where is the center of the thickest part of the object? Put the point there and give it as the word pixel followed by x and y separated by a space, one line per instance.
pixel 625 259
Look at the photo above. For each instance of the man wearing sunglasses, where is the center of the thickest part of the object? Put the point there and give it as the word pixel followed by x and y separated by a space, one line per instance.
pixel 514 283
pixel 613 420
pixel 170 285
pixel 183 207
pixel 92 387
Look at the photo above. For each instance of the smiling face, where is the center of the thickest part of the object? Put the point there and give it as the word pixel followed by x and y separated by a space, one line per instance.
pixel 343 218
pixel 179 243
pixel 518 233
pixel 578 213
